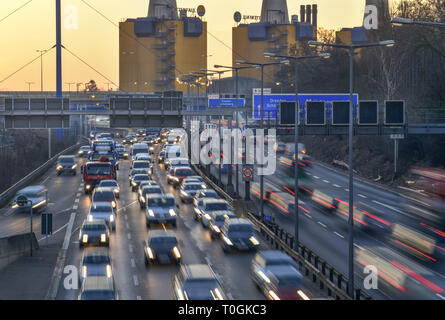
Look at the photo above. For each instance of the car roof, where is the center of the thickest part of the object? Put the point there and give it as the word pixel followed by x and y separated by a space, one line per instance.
pixel 97 283
pixel 161 234
pixel 165 195
pixel 284 270
pixel 108 180
pixel 239 221
pixel 198 271
pixel 101 204
pixel 94 222
pixel 273 255
pixel 141 161
pixel 66 157
pixel 213 200
pixel 102 189
pixel 32 189
pixel 96 251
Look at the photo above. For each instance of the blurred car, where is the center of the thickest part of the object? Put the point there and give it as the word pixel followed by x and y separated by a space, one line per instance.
pixel 161 210
pixel 126 140
pixel 161 247
pixel 146 165
pixel 123 154
pixel 135 172
pixel 211 206
pixel 112 184
pixel 203 194
pixel 98 288
pixel 141 157
pixel 238 234
pixel 104 194
pixel 137 179
pixel 37 197
pixel 283 282
pixel 103 211
pixel 146 183
pixel 147 191
pixel 179 174
pixel 94 233
pixel 95 262
pixel 197 282
pixel 189 190
pixel 161 156
pixel 217 220
pixel 83 151
pixel 175 162
pixel 66 164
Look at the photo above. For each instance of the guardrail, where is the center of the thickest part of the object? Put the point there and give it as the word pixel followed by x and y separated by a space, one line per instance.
pixel 9 193
pixel 328 278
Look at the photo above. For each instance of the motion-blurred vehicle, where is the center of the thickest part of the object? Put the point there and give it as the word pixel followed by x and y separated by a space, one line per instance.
pixel 37 197
pixel 283 283
pixel 123 154
pixel 66 164
pixel 211 206
pixel 95 262
pixel 162 247
pixel 217 220
pixel 98 288
pixel 137 179
pixel 161 210
pixel 104 194
pixel 203 194
pixel 197 282
pixel 161 157
pixel 238 234
pixel 189 190
pixel 95 233
pixel 83 151
pixel 146 192
pixel 103 210
pixel 175 162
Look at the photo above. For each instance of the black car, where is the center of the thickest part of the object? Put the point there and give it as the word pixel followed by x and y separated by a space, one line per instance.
pixel 162 247
pixel 104 194
pixel 238 234
pixel 147 191
pixel 94 232
pixel 66 164
pixel 137 179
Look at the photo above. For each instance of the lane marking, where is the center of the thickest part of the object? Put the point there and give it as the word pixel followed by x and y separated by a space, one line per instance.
pixel 440 296
pixel 126 225
pixel 336 185
pixel 66 241
pixel 129 236
pixel 356 245
pixel 135 280
pixel 133 263
pixel 362 196
pixel 388 206
pixel 60 229
pixel 347 190
pixel 130 248
pixel 326 181
pixel 75 207
pixel 126 217
pixel 138 298
pixel 77 200
pixel 322 224
pixel 338 234
pixel 78 195
pixel 316 177
pixel 309 216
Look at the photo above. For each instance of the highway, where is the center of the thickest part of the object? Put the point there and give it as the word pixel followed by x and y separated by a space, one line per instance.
pixel 133 280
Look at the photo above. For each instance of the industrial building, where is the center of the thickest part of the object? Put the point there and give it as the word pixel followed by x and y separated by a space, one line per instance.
pixel 155 50
pixel 274 32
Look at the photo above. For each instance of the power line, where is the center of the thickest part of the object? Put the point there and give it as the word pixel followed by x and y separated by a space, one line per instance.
pixel 24 66
pixel 14 11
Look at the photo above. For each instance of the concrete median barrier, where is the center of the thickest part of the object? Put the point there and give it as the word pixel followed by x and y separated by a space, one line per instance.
pixel 14 247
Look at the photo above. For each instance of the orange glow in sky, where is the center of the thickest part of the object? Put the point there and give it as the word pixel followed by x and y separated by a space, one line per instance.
pixel 96 40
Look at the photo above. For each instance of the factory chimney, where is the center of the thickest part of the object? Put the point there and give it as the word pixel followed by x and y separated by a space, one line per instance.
pixel 275 12
pixel 302 12
pixel 314 16
pixel 308 14
pixel 163 9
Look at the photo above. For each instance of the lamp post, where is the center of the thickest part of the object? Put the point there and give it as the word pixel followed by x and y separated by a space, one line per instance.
pixel 262 66
pixel 69 85
pixel 297 59
pixel 42 52
pixel 351 49
pixel 401 21
pixel 29 85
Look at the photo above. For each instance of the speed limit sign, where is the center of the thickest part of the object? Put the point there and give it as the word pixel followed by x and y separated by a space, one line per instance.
pixel 247 173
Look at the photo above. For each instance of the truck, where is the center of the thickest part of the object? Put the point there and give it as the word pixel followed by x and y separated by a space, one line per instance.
pixel 104 148
pixel 95 171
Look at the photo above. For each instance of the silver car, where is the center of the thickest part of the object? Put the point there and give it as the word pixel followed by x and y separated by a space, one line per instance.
pixel 161 210
pixel 103 211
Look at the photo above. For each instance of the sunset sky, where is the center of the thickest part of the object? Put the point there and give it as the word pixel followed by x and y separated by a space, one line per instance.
pixel 96 40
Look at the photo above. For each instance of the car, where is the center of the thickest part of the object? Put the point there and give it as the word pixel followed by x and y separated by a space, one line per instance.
pixel 37 197
pixel 238 234
pixel 95 262
pixel 126 140
pixel 146 165
pixel 160 210
pixel 147 191
pixel 264 260
pixel 146 184
pixel 102 210
pixel 138 148
pixel 197 282
pixel 161 247
pixel 210 206
pixel 189 190
pixel 98 288
pixel 133 139
pixel 204 194
pixel 94 232
pixel 66 164
pixel 140 133
pixel 178 175
pixel 83 151
pixel 104 194
pixel 112 184
pixel 195 178
pixel 141 157
pixel 175 162
pixel 283 282
pixel 161 156
pixel 137 179
pixel 217 220
pixel 123 154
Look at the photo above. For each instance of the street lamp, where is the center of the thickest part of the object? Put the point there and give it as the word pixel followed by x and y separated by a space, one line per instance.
pixel 29 85
pixel 297 59
pixel 42 52
pixel 262 66
pixel 351 49
pixel 399 21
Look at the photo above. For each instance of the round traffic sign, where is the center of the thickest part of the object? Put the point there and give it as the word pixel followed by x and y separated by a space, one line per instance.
pixel 201 10
pixel 237 16
pixel 247 173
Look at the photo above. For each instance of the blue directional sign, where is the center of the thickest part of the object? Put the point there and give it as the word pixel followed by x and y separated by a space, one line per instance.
pixel 226 102
pixel 272 102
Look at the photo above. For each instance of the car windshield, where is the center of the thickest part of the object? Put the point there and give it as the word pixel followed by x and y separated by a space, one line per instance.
pixel 217 206
pixel 86 148
pixel 138 165
pixel 103 195
pixel 94 227
pixel 220 217
pixel 197 285
pixel 161 202
pixel 97 259
pixel 241 228
pixel 101 208
pixel 66 160
pixel 108 184
pixel 278 261
pixel 98 169
pixel 151 190
pixel 209 194
pixel 193 187
pixel 141 178
pixel 183 172
pixel 98 295
pixel 288 280
pixel 157 241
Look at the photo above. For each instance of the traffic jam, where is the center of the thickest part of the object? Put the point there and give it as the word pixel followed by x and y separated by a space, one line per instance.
pixel 273 273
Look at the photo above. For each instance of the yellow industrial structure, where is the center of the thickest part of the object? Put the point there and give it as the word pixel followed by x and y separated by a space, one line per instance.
pixel 154 51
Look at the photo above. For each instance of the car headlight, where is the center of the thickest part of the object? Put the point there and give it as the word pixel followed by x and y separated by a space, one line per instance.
pixel 254 241
pixel 207 216
pixel 15 206
pixel 172 212
pixel 84 271
pixel 108 270
pixel 176 252
pixel 151 213
pixel 116 190
pixel 227 240
pixel 90 217
pixel 59 167
pixel 88 187
pixel 142 199
pixel 273 295
pixel 74 167
pixel 149 252
pixel 111 218
pixel 216 229
pixel 113 204
pixel 184 193
pixel 303 295
pixel 85 238
pixel 134 184
pixel 125 154
pixel 103 237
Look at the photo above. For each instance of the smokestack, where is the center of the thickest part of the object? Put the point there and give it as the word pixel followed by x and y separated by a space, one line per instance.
pixel 308 13
pixel 163 9
pixel 314 15
pixel 302 12
pixel 274 11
